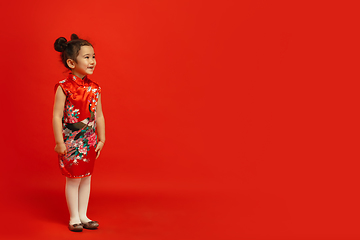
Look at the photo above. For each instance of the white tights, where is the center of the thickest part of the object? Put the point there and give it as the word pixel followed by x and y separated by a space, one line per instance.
pixel 77 192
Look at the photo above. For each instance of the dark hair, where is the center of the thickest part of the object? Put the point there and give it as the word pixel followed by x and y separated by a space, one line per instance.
pixel 69 50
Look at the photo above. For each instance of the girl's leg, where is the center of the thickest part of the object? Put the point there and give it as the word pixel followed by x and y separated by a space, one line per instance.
pixel 72 198
pixel 84 194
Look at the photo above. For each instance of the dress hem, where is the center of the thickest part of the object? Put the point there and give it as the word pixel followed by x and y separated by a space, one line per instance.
pixel 77 176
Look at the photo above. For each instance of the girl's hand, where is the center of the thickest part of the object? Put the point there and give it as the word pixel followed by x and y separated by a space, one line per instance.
pixel 60 149
pixel 99 146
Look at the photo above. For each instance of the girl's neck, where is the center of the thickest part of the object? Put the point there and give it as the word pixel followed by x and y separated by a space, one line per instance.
pixel 78 75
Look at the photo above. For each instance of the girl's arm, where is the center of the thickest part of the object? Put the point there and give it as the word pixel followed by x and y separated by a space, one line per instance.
pixel 100 125
pixel 58 112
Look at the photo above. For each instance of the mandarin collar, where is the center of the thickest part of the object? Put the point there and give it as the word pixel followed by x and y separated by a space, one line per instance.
pixel 78 80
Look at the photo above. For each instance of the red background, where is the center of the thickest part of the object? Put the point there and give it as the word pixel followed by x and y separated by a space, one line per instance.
pixel 224 119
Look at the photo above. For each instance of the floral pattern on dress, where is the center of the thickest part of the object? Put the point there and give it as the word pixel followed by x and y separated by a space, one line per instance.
pixel 71 115
pixel 78 143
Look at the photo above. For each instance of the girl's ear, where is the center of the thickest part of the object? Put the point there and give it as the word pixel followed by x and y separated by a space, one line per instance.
pixel 70 63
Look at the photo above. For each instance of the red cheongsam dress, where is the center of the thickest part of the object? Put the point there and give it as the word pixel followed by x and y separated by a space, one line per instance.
pixel 79 126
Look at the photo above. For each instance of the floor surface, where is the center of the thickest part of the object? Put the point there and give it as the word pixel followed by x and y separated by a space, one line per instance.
pixel 127 212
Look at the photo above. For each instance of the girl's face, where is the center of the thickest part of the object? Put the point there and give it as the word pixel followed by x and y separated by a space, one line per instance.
pixel 86 62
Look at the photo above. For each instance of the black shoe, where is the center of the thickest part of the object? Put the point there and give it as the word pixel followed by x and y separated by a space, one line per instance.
pixel 91 225
pixel 77 227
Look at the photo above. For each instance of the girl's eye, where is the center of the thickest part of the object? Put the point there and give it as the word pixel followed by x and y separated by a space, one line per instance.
pixel 86 57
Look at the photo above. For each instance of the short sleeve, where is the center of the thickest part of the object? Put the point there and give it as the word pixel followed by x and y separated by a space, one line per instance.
pixel 96 86
pixel 61 84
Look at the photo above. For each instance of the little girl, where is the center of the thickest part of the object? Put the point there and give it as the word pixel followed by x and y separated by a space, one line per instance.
pixel 79 127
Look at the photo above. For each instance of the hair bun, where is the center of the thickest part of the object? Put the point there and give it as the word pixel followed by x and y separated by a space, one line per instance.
pixel 60 44
pixel 74 36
